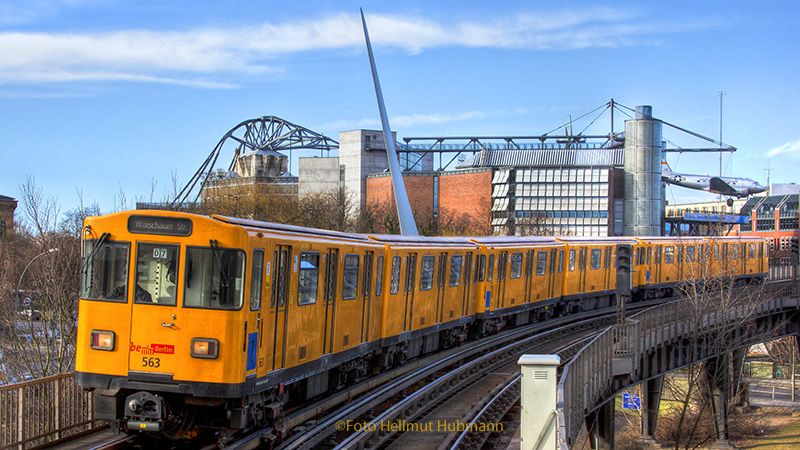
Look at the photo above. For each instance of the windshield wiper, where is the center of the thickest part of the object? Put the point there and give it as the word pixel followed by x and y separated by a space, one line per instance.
pixel 95 248
pixel 224 282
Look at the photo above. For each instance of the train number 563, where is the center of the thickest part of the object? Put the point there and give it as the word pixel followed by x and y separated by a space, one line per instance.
pixel 150 362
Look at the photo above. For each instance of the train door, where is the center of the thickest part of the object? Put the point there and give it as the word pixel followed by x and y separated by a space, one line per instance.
pixel 329 298
pixel 554 270
pixel 255 331
pixel 155 318
pixel 657 265
pixel 467 284
pixel 528 295
pixel 411 270
pixel 282 262
pixel 502 261
pixel 582 270
pixel 440 283
pixel 366 297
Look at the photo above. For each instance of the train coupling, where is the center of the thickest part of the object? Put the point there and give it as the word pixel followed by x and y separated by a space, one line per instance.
pixel 144 411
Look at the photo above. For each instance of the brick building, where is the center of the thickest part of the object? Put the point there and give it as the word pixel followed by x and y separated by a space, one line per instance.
pixel 7 207
pixel 443 194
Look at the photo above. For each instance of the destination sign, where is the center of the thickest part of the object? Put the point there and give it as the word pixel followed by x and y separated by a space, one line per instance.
pixel 167 226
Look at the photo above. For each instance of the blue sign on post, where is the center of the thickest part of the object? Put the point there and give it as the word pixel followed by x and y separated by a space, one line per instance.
pixel 631 402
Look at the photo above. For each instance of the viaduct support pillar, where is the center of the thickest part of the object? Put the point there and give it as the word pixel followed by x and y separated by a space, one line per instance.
pixel 600 425
pixel 650 402
pixel 718 380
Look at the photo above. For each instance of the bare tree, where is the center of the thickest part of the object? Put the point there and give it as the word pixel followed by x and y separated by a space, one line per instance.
pixel 712 295
pixel 40 288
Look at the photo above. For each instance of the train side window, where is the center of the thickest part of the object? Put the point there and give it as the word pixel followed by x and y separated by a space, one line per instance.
pixel 734 251
pixel 502 261
pixel 669 254
pixel 529 263
pixel 350 279
pixel 394 286
pixel 572 260
pixel 560 261
pixel 379 276
pixel 595 259
pixel 541 262
pixel 607 257
pixel 649 253
pixel 365 288
pixel 156 274
pixel 426 273
pixel 553 261
pixel 716 252
pixel 214 278
pixel 442 270
pixel 490 268
pixel 455 270
pixel 751 251
pixel 690 253
pixel 308 278
pixel 480 274
pixel 516 265
pixel 255 280
pixel 104 271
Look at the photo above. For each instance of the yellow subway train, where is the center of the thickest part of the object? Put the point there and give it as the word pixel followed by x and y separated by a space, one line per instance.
pixel 190 323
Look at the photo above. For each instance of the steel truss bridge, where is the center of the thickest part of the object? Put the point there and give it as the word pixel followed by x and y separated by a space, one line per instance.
pixel 263 133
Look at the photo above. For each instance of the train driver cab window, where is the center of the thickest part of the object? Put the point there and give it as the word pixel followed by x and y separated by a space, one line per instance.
pixel 669 254
pixel 395 282
pixel 596 258
pixel 735 251
pixel 156 274
pixel 214 278
pixel 541 262
pixel 350 279
pixel 751 251
pixel 455 270
pixel 426 273
pixel 572 260
pixel 516 265
pixel 104 270
pixel 308 278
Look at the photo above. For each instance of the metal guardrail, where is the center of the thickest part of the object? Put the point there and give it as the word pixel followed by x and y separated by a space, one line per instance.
pixel 588 379
pixel 39 412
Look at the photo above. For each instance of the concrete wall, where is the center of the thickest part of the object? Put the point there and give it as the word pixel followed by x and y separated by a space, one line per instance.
pixel 319 175
pixel 361 152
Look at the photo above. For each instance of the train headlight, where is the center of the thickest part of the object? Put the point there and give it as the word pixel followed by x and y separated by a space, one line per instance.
pixel 102 340
pixel 205 348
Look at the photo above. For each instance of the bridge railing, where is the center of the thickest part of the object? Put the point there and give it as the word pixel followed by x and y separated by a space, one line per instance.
pixel 39 412
pixel 588 379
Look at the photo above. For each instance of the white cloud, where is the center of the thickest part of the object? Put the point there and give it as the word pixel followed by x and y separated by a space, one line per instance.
pixel 193 56
pixel 789 147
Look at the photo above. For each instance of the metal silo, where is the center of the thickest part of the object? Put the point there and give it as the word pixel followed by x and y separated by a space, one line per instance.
pixel 643 192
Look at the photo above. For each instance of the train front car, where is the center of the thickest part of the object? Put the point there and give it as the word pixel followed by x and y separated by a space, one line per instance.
pixel 161 328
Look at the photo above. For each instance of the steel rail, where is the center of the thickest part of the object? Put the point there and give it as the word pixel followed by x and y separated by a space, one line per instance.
pixel 412 406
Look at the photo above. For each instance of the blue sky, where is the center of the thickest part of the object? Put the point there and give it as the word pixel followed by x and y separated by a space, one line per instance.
pixel 103 97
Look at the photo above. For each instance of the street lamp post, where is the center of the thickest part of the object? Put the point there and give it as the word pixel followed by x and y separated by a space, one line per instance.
pixel 19 284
